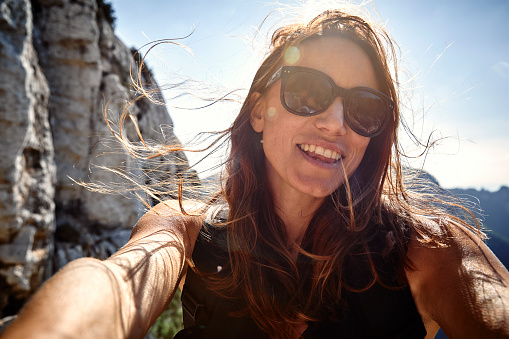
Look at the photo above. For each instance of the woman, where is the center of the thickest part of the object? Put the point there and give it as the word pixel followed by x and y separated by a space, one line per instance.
pixel 317 235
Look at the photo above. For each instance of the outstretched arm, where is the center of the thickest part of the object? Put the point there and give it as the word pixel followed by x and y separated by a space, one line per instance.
pixel 463 288
pixel 119 297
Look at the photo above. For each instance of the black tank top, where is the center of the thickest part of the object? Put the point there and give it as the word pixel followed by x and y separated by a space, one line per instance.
pixel 378 312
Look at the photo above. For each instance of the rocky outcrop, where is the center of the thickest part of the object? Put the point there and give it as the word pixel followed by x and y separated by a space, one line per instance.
pixel 61 63
pixel 27 169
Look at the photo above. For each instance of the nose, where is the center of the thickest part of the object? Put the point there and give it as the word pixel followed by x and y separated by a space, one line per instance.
pixel 332 120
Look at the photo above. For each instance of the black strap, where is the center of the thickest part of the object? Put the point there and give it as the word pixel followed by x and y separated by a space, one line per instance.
pixel 193 301
pixel 198 304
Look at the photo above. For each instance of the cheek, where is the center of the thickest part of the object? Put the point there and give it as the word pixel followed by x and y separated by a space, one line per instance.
pixel 272 108
pixel 361 144
pixel 364 144
pixel 271 114
pixel 280 124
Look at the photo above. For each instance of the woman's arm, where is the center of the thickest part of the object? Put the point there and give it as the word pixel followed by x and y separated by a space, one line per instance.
pixel 463 288
pixel 119 297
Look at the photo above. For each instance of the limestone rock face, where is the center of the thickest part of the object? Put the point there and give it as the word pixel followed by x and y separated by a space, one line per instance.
pixel 61 66
pixel 27 168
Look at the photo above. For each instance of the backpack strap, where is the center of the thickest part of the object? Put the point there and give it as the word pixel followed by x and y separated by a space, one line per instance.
pixel 210 254
pixel 205 314
pixel 198 305
pixel 193 302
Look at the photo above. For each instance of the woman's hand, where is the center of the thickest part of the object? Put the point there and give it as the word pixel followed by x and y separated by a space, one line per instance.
pixel 462 288
pixel 119 297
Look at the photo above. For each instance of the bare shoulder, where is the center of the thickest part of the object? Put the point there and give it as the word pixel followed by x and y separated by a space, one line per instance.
pixel 462 287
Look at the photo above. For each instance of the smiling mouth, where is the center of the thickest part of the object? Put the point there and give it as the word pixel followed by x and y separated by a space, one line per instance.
pixel 320 153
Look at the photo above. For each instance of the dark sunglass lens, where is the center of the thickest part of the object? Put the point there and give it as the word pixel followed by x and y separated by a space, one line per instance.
pixel 306 93
pixel 366 113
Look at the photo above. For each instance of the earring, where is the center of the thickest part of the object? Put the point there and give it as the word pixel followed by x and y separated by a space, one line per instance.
pixel 261 141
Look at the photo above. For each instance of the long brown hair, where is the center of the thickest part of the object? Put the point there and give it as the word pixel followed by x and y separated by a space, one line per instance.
pixel 263 273
pixel 275 291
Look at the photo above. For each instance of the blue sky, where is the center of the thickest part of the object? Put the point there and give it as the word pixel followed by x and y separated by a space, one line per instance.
pixel 454 53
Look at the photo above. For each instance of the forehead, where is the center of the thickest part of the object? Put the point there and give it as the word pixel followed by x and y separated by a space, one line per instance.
pixel 343 60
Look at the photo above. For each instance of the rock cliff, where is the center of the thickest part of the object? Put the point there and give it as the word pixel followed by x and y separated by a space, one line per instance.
pixel 60 64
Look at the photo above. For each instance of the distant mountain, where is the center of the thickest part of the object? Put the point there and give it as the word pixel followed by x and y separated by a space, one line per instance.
pixel 494 207
pixel 493 210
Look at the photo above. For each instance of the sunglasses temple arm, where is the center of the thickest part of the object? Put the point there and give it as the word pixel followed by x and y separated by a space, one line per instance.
pixel 274 77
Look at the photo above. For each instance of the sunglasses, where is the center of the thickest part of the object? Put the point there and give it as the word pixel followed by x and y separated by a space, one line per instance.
pixel 307 92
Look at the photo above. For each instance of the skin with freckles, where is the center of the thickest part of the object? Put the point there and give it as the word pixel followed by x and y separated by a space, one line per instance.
pixel 304 177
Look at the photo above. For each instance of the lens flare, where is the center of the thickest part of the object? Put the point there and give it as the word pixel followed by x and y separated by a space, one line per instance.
pixel 271 112
pixel 292 55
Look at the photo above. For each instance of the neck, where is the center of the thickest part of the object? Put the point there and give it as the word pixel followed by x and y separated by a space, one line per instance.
pixel 296 211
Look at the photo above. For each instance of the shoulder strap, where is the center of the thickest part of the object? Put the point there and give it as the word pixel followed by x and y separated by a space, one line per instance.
pixel 209 256
pixel 205 314
pixel 197 304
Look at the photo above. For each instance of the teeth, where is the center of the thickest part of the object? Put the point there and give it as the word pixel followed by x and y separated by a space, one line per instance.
pixel 327 153
pixel 319 150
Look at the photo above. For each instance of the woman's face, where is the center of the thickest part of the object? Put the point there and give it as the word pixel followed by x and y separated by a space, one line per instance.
pixel 292 167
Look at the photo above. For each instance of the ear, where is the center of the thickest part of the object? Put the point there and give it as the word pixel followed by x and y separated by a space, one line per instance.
pixel 257 118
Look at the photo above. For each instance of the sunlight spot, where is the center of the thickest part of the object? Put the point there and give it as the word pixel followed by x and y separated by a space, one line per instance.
pixel 292 55
pixel 271 112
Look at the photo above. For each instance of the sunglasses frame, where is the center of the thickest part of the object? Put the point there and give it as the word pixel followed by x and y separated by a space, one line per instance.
pixel 284 73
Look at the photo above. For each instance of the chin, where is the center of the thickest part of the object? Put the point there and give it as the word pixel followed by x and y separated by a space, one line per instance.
pixel 321 190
